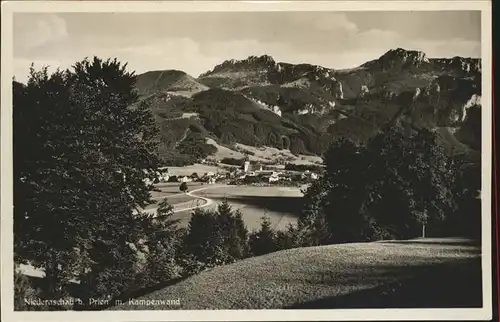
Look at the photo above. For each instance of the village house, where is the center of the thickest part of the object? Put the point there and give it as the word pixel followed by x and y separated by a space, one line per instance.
pixel 163 176
pixel 274 177
pixel 185 179
pixel 309 175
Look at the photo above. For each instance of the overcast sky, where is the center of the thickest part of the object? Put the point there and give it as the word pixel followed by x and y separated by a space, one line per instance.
pixel 195 42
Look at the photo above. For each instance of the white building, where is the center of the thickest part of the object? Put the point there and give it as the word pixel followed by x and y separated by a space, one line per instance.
pixel 185 179
pixel 274 178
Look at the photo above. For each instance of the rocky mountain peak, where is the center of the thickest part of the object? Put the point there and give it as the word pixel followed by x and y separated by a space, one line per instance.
pixel 250 63
pixel 399 58
pixel 263 59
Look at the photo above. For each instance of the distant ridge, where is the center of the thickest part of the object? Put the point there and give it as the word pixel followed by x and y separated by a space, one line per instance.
pixel 168 80
pixel 304 107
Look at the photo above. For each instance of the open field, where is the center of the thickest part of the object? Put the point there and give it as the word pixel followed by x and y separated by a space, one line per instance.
pixel 432 273
pixel 281 204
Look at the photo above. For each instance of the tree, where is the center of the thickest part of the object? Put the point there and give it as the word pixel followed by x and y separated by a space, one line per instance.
pixel 263 241
pixel 467 219
pixel 163 244
pixel 411 182
pixel 397 186
pixel 82 151
pixel 214 238
pixel 332 212
pixel 232 231
pixel 183 187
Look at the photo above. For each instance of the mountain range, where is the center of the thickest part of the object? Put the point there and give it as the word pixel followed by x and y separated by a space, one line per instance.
pixel 302 108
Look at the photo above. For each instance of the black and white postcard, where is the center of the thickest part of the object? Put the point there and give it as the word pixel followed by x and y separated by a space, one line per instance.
pixel 246 161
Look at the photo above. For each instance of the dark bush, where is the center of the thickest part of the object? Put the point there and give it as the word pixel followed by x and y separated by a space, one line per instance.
pixel 214 238
pixel 183 187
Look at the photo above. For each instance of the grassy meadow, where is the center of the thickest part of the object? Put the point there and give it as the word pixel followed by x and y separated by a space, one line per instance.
pixel 429 273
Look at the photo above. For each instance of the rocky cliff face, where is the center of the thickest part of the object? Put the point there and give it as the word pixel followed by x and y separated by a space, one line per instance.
pixel 460 65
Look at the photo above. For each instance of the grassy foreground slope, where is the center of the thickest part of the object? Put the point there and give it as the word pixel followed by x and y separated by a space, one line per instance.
pixel 416 273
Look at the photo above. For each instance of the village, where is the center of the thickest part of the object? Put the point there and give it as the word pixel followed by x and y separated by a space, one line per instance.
pixel 250 173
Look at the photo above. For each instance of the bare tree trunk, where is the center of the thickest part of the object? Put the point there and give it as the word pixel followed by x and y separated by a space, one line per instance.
pixel 423 230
